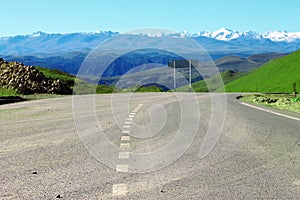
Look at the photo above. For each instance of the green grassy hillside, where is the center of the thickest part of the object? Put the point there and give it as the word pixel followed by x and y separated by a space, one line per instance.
pixel 82 86
pixel 213 83
pixel 56 74
pixel 7 92
pixel 275 76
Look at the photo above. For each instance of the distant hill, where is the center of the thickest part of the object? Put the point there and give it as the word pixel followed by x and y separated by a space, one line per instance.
pixel 241 64
pixel 277 75
pixel 213 83
pixel 66 52
pixel 146 60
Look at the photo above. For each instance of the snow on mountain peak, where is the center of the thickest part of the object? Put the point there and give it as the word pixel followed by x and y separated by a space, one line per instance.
pixel 227 35
pixel 37 34
pixel 282 36
pixel 223 34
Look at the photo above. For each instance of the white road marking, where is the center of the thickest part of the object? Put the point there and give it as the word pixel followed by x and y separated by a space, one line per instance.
pixel 269 111
pixel 126 131
pixel 122 168
pixel 123 155
pixel 119 189
pixel 296 183
pixel 125 138
pixel 125 145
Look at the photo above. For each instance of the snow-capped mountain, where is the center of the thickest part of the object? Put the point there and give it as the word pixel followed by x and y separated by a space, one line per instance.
pixel 67 51
pixel 223 40
pixel 222 34
pixel 282 36
pixel 225 34
pixel 276 36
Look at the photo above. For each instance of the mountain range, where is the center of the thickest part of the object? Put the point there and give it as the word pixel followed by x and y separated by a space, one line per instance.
pixel 227 35
pixel 231 50
pixel 223 41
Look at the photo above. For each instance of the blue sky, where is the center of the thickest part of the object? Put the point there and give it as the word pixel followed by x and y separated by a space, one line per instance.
pixel 22 17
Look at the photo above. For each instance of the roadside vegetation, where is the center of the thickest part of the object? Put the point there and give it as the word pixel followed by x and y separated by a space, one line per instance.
pixel 281 101
pixel 4 92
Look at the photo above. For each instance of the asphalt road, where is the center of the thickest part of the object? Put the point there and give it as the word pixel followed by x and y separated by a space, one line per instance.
pixel 46 154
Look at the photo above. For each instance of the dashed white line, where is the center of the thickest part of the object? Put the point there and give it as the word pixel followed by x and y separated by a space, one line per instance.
pixel 269 111
pixel 119 189
pixel 125 138
pixel 122 168
pixel 125 146
pixel 126 131
pixel 123 155
pixel 126 126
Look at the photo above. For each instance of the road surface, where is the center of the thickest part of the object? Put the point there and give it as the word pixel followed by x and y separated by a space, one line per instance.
pixel 257 155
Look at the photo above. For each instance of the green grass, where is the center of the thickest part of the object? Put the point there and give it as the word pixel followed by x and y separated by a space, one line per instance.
pixel 275 76
pixel 82 87
pixel 7 92
pixel 56 74
pixel 213 83
pixel 151 88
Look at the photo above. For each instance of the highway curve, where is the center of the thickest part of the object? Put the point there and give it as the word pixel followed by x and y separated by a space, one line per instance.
pixel 44 154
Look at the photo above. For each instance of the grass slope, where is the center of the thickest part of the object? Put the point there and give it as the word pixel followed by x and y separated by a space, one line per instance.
pixel 56 74
pixel 7 92
pixel 212 83
pixel 275 76
pixel 82 86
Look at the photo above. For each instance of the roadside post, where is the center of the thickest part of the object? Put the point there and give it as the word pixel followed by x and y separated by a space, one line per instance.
pixel 183 64
pixel 190 74
pixel 174 65
pixel 295 89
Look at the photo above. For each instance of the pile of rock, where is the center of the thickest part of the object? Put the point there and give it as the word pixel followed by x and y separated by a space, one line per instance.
pixel 28 80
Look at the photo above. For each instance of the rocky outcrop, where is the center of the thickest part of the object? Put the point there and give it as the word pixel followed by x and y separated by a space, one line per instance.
pixel 28 80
